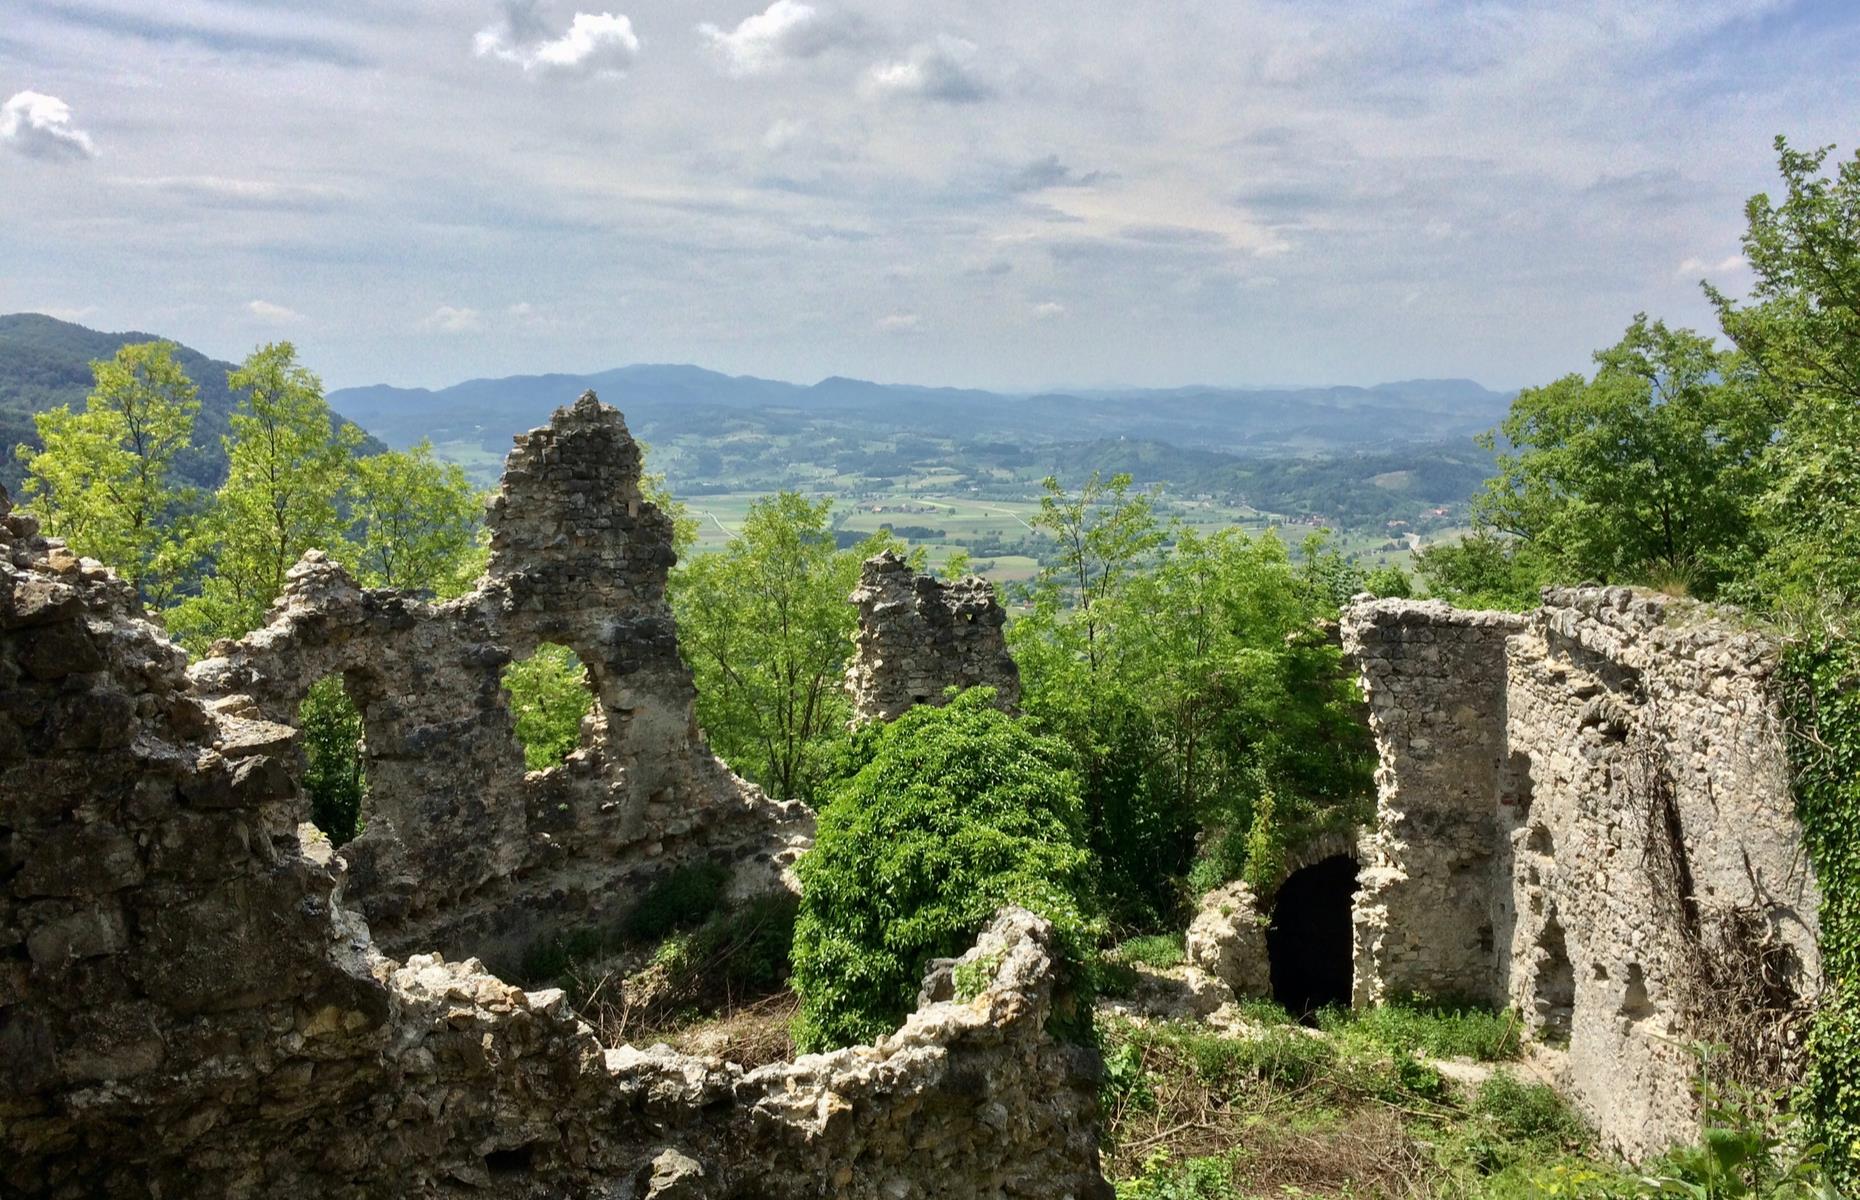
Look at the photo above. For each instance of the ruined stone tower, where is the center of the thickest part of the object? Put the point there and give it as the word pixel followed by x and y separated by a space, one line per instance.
pixel 919 636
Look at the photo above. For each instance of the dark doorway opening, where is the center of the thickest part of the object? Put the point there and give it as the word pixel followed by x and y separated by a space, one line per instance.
pixel 1309 940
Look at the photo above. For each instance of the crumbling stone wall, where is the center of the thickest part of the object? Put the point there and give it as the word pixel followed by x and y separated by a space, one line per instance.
pixel 463 851
pixel 1588 811
pixel 1434 679
pixel 918 636
pixel 187 1009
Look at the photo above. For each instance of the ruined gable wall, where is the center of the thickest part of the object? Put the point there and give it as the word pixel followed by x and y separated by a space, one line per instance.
pixel 918 636
pixel 1657 801
pixel 1434 679
pixel 463 851
pixel 187 1009
pixel 1622 756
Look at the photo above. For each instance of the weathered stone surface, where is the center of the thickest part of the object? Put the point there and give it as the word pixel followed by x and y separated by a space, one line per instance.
pixel 918 636
pixel 1568 801
pixel 196 1013
pixel 463 850
pixel 1226 946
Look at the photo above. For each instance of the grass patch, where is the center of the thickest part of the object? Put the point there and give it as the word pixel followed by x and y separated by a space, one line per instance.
pixel 1439 1029
pixel 1195 1115
pixel 1158 950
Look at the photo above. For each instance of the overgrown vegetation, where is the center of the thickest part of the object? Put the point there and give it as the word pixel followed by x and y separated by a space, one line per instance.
pixel 959 810
pixel 1823 675
pixel 1194 680
pixel 1430 1027
pixel 1732 473
pixel 767 630
pixel 549 696
pixel 1195 1114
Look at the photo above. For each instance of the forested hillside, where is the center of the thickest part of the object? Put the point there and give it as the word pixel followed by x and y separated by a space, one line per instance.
pixel 45 362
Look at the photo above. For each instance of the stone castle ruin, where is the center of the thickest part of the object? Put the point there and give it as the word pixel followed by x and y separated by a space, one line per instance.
pixel 1584 814
pixel 192 1006
pixel 463 851
pixel 919 636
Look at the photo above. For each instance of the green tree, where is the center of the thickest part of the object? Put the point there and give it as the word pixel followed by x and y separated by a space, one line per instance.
pixel 1643 474
pixel 1182 675
pixel 104 480
pixel 1485 570
pixel 335 780
pixel 767 629
pixel 416 523
pixel 287 467
pixel 548 698
pixel 960 810
pixel 1389 583
pixel 1799 333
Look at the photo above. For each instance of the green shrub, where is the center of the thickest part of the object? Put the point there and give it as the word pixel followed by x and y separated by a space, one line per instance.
pixel 334 778
pixel 961 810
pixel 682 900
pixel 739 951
pixel 1529 1112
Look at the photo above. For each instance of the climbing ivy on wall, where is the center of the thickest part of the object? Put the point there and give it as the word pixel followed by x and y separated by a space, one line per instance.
pixel 1821 676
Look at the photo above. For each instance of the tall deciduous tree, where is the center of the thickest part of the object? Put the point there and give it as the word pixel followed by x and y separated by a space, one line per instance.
pixel 287 467
pixel 767 628
pixel 416 523
pixel 1800 333
pixel 103 481
pixel 1643 473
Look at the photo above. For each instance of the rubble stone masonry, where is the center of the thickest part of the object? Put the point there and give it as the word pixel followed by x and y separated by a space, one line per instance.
pixel 189 1006
pixel 1580 809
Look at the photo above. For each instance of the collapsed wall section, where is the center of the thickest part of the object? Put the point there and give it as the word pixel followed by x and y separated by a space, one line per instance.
pixel 463 850
pixel 1644 885
pixel 188 1010
pixel 918 636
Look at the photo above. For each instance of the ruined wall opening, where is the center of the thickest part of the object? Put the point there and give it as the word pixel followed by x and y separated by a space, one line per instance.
pixel 550 693
pixel 1553 985
pixel 335 768
pixel 1308 942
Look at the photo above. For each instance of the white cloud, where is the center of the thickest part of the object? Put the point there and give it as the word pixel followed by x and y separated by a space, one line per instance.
pixel 785 31
pixel 275 314
pixel 1048 309
pixel 39 126
pixel 593 44
pixel 1691 268
pixel 943 69
pixel 898 322
pixel 448 319
pixel 217 191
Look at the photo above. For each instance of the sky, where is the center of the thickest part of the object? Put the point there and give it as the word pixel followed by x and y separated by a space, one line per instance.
pixel 1010 195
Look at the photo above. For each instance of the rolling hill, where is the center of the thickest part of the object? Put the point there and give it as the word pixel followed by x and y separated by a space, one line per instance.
pixel 45 362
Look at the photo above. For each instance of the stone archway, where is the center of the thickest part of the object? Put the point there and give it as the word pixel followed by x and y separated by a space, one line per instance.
pixel 1308 942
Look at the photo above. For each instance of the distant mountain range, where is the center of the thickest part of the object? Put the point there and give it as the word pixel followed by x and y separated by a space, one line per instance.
pixel 662 402
pixel 45 362
pixel 1358 454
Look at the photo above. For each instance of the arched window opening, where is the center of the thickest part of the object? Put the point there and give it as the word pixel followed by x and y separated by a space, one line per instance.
pixel 550 694
pixel 335 773
pixel 1309 942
